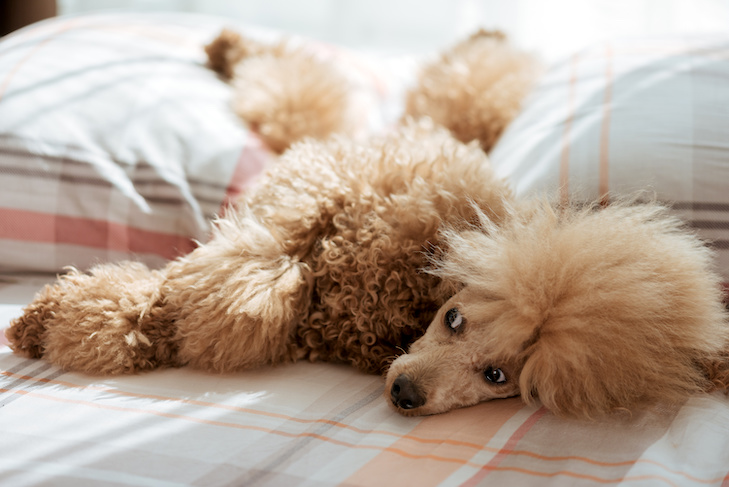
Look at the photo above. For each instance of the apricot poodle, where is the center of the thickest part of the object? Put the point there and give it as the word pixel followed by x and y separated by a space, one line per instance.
pixel 347 251
pixel 322 260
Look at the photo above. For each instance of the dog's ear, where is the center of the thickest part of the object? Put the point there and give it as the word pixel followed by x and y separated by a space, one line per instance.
pixel 575 370
pixel 563 374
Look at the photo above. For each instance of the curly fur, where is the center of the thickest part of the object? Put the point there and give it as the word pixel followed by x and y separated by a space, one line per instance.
pixel 321 261
pixel 282 91
pixel 589 310
pixel 476 88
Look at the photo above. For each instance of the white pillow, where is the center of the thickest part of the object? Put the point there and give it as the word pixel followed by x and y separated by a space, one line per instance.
pixel 115 141
pixel 626 116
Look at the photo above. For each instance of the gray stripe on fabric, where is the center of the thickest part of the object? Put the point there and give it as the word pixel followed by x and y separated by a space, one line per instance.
pixel 709 224
pixel 28 383
pixel 139 183
pixel 700 206
pixel 719 244
pixel 138 166
pixel 260 474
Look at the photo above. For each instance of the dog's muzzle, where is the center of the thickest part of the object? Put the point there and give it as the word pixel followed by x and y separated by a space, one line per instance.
pixel 405 394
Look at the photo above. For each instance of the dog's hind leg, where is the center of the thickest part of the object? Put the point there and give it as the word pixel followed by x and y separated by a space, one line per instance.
pixel 238 298
pixel 105 322
pixel 282 91
pixel 232 303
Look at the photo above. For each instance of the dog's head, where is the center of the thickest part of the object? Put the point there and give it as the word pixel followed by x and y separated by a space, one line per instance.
pixel 588 311
pixel 458 362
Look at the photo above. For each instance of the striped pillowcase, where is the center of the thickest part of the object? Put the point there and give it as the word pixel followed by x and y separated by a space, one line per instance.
pixel 626 116
pixel 115 141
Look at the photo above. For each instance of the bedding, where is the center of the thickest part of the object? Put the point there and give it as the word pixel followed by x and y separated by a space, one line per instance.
pixel 631 115
pixel 324 425
pixel 140 177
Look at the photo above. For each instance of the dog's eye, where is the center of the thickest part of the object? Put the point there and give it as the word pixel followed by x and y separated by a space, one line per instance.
pixel 453 319
pixel 495 376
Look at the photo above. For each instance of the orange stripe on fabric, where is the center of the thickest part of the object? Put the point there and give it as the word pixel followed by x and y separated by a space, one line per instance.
pixel 11 74
pixel 193 402
pixel 438 431
pixel 509 446
pixel 387 473
pixel 463 424
pixel 23 225
pixel 604 181
pixel 409 437
pixel 593 478
pixel 564 163
pixel 390 449
pixel 210 422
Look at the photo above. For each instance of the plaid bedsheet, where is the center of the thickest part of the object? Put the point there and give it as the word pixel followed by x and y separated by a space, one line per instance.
pixel 322 424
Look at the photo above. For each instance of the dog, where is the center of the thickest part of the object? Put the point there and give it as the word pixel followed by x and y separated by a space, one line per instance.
pixel 347 251
pixel 321 260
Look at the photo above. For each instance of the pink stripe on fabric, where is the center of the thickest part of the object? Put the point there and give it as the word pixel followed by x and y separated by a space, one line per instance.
pixel 507 448
pixel 252 160
pixel 604 183
pixel 22 225
pixel 564 163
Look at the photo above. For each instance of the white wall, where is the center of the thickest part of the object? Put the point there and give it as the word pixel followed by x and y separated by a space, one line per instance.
pixel 551 27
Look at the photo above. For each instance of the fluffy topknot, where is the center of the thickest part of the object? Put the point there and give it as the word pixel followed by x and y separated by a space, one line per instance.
pixel 606 308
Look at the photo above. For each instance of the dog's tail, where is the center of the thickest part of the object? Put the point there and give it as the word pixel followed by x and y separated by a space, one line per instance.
pixel 26 334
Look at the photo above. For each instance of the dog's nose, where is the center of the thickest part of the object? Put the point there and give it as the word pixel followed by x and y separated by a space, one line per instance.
pixel 405 394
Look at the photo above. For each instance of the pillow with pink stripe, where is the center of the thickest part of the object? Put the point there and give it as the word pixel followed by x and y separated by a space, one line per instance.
pixel 116 141
pixel 626 116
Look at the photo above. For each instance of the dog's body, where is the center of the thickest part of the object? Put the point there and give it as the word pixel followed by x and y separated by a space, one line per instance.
pixel 588 310
pixel 322 260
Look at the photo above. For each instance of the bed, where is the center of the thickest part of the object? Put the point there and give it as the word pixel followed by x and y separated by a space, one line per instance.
pixel 116 142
